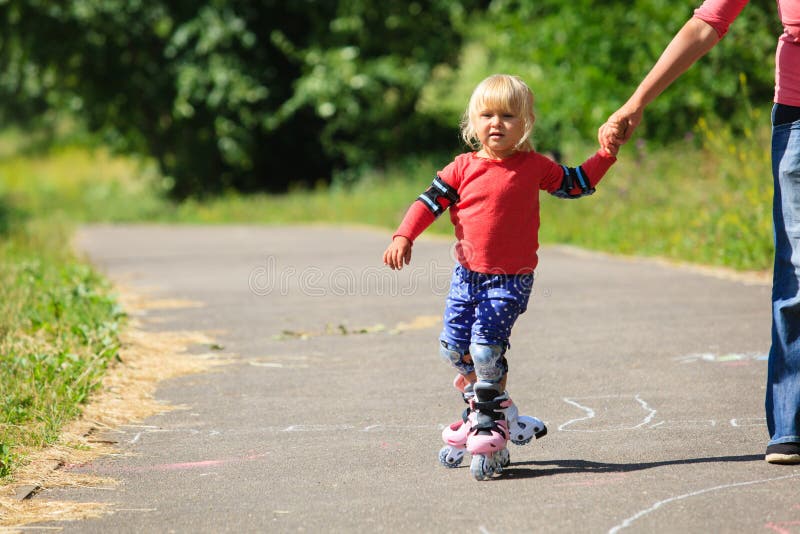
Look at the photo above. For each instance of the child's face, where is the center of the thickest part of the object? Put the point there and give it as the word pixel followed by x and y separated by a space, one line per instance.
pixel 499 131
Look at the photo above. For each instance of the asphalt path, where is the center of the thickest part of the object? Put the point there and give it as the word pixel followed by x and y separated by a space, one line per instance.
pixel 649 377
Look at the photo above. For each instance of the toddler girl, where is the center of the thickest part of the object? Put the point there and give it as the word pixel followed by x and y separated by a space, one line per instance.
pixel 493 196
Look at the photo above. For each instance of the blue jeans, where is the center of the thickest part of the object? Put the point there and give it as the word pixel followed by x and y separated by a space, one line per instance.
pixel 783 375
pixel 482 308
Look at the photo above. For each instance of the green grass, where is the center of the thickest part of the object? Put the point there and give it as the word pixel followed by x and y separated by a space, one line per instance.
pixel 58 321
pixel 709 205
pixel 58 333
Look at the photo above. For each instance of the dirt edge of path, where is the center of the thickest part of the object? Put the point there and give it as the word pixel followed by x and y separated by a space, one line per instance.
pixel 126 397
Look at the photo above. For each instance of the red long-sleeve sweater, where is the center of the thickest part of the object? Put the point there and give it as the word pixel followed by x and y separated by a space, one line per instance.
pixel 497 216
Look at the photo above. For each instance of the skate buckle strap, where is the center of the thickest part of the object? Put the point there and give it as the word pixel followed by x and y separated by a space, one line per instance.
pixel 488 406
pixel 465 415
pixel 490 426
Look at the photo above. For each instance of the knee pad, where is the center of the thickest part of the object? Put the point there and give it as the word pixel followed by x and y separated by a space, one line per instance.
pixel 490 362
pixel 455 358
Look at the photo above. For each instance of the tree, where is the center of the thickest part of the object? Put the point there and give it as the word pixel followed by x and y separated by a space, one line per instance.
pixel 249 95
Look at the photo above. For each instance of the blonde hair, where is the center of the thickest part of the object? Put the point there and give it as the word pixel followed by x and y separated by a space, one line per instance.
pixel 504 92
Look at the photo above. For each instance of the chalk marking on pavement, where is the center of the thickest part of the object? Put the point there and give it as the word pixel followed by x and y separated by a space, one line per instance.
pixel 646 424
pixel 733 358
pixel 590 414
pixel 684 423
pixel 638 515
pixel 646 408
pixel 353 427
pixel 181 466
pixel 276 365
pixel 316 428
pixel 206 463
pixel 779 526
pixel 757 421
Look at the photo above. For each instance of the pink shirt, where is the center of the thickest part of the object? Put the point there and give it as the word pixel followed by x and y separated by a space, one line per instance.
pixel 497 216
pixel 721 13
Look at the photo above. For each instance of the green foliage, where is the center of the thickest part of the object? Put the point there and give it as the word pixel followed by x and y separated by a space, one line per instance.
pixel 232 94
pixel 5 460
pixel 709 205
pixel 364 77
pixel 583 59
pixel 262 95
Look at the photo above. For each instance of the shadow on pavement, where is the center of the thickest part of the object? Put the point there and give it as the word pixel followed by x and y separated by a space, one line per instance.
pixel 563 467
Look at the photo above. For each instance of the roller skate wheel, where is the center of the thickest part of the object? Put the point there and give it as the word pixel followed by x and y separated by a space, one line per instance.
pixel 451 457
pixel 501 459
pixel 480 467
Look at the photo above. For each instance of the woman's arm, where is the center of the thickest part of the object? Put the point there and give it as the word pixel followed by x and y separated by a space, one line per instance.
pixel 691 43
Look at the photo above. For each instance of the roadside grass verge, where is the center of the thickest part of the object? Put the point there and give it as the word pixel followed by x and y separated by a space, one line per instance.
pixel 58 321
pixel 58 333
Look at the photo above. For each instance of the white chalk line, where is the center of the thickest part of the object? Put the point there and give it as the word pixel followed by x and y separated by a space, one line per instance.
pixel 590 413
pixel 756 421
pixel 638 515
pixel 645 407
pixel 645 424
pixel 722 358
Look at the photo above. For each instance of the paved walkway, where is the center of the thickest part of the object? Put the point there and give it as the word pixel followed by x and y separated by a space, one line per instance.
pixel 650 379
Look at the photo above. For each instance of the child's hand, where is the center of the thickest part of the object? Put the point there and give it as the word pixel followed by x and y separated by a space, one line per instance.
pixel 610 137
pixel 398 253
pixel 611 148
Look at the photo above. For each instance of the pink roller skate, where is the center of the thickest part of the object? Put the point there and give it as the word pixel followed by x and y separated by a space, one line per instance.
pixel 522 429
pixel 489 434
pixel 455 434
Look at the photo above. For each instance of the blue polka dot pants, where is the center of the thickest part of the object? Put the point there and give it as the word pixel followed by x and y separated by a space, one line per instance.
pixel 482 308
